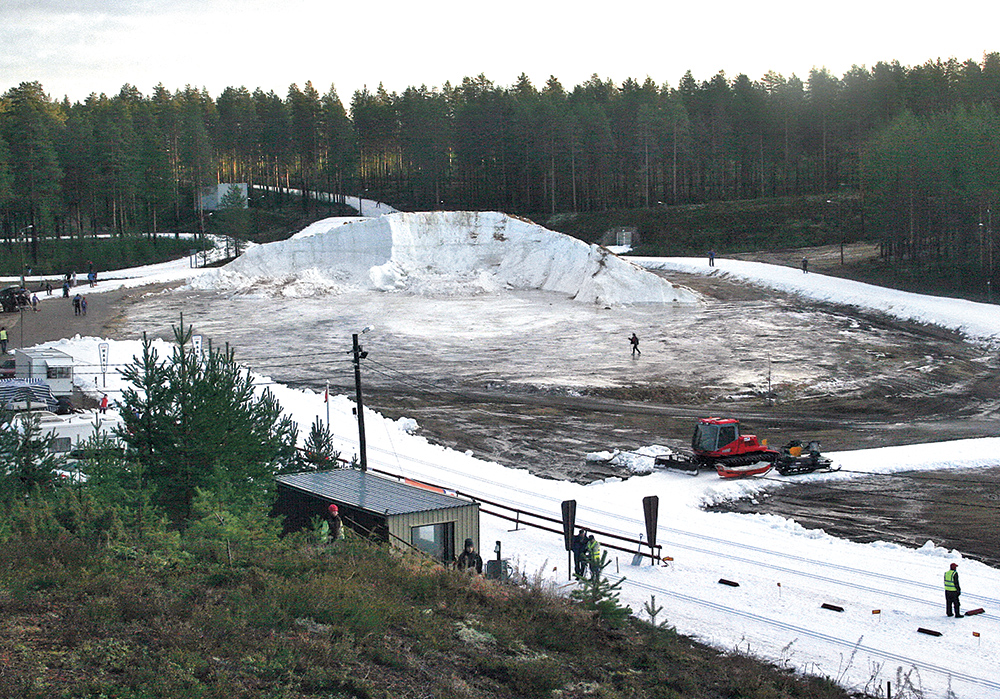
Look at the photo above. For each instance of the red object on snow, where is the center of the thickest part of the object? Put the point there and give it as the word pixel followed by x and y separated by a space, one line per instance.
pixel 973 612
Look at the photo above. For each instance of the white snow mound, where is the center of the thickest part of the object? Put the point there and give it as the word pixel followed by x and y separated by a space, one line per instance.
pixel 445 252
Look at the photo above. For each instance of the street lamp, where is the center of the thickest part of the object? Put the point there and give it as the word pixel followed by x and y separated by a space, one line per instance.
pixel 360 354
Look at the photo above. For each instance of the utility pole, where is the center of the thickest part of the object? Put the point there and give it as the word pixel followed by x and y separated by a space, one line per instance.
pixel 362 449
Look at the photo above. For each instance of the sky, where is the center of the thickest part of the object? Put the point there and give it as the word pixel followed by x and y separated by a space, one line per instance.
pixel 92 46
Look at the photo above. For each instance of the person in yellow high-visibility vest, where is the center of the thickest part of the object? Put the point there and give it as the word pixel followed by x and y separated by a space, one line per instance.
pixel 952 590
pixel 593 557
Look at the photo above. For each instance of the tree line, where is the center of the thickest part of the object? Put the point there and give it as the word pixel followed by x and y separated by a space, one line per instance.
pixel 131 162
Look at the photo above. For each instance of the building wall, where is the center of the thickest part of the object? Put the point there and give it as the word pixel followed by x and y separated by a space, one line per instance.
pixel 27 366
pixel 465 517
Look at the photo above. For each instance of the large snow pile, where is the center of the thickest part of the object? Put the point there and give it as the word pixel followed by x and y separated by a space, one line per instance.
pixel 444 252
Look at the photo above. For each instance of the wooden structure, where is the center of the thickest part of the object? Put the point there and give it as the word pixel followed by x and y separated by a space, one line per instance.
pixel 401 514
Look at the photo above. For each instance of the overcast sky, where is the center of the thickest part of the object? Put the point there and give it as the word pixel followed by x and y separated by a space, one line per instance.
pixel 76 47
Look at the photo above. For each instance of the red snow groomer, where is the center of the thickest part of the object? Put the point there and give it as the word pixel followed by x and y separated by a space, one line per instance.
pixel 717 443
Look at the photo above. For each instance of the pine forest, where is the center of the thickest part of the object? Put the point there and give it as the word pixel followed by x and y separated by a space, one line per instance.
pixel 916 148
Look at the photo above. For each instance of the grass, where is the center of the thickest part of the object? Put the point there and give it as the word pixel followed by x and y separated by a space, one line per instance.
pixel 289 619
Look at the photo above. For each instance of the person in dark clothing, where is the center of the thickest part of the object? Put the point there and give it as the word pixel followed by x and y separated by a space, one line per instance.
pixel 711 258
pixel 805 265
pixel 469 560
pixel 76 304
pixel 951 591
pixel 336 524
pixel 634 340
pixel 579 548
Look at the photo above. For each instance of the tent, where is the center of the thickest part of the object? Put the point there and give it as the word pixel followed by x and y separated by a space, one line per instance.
pixel 16 394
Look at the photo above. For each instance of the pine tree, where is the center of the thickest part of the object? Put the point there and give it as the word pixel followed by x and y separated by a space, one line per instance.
pixel 25 454
pixel 197 422
pixel 318 446
pixel 597 593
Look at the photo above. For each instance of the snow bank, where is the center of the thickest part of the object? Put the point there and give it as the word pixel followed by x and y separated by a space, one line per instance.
pixel 447 253
pixel 977 321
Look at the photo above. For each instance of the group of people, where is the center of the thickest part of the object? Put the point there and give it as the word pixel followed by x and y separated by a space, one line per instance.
pixel 79 305
pixel 586 555
pixel 586 551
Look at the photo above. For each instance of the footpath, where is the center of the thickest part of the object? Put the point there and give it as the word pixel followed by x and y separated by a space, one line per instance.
pixel 55 320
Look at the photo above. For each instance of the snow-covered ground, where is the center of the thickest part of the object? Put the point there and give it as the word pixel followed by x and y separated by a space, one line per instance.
pixel 977 321
pixel 785 573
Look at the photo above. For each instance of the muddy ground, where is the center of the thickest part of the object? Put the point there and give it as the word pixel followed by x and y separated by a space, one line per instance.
pixel 536 381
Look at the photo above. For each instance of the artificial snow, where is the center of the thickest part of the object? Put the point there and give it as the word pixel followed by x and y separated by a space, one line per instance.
pixel 449 253
pixel 977 321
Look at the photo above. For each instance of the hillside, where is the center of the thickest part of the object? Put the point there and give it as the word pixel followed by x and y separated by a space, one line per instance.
pixel 292 619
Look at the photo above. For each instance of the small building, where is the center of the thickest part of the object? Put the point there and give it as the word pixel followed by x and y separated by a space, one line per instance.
pixel 224 195
pixel 401 514
pixel 50 365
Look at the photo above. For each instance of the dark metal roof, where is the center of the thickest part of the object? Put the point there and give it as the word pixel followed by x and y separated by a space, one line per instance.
pixel 367 491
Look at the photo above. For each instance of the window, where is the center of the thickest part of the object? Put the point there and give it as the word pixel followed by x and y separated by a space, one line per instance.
pixel 438 540
pixel 59 372
pixel 727 435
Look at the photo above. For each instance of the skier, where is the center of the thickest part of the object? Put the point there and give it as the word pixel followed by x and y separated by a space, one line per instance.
pixel 469 561
pixel 635 345
pixel 952 590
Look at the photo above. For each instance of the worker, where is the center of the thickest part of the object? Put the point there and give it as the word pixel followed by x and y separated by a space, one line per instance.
pixel 593 557
pixel 579 549
pixel 469 561
pixel 336 524
pixel 951 591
